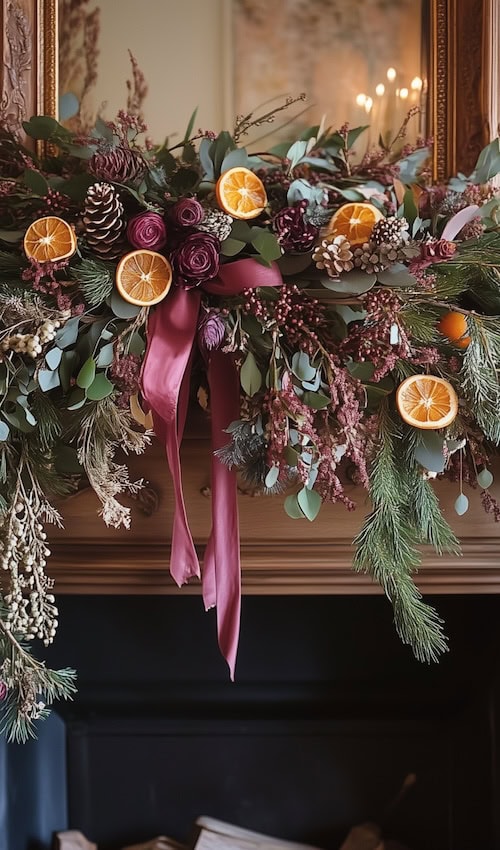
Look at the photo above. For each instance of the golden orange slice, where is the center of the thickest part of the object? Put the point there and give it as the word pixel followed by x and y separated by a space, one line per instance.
pixel 241 193
pixel 354 221
pixel 49 239
pixel 426 401
pixel 454 326
pixel 143 277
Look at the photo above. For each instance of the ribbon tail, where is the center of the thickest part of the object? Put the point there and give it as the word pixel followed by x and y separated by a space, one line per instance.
pixel 221 568
pixel 165 387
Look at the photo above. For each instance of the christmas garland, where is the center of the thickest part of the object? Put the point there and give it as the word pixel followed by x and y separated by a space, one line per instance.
pixel 337 318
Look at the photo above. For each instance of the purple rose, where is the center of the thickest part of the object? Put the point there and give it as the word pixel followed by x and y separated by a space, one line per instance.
pixel 196 259
pixel 187 212
pixel 211 330
pixel 147 230
pixel 437 250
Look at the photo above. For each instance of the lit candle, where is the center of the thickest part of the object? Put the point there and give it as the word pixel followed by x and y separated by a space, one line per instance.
pixel 378 112
pixel 391 102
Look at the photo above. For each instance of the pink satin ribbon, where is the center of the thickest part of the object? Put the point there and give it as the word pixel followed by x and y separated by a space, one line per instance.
pixel 166 370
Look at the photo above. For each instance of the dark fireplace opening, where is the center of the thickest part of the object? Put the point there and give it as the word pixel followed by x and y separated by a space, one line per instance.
pixel 328 715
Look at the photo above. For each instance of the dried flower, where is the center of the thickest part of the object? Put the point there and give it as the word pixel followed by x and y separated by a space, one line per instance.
pixel 211 330
pixel 147 230
pixel 188 212
pixel 3 690
pixel 196 259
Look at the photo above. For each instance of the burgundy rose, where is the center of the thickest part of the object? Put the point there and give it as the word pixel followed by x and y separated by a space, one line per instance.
pixel 3 690
pixel 293 231
pixel 196 259
pixel 187 212
pixel 147 230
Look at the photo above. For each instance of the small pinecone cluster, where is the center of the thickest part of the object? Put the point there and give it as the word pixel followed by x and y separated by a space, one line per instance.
pixel 103 221
pixel 334 255
pixel 390 231
pixel 216 222
pixel 372 258
pixel 117 165
pixel 389 243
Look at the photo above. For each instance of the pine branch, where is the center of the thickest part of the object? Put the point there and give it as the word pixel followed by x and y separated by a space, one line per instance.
pixel 386 545
pixel 31 686
pixel 420 322
pixel 481 364
pixel 95 279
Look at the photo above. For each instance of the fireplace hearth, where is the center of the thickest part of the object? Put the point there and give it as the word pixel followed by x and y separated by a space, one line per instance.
pixel 328 714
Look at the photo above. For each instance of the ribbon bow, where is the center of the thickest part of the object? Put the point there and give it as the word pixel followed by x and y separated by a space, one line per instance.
pixel 172 330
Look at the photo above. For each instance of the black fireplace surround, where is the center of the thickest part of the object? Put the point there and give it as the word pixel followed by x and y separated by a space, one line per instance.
pixel 327 716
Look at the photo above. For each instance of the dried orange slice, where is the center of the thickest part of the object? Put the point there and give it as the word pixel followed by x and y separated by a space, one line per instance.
pixel 143 277
pixel 241 193
pixel 354 221
pixel 454 326
pixel 426 401
pixel 49 239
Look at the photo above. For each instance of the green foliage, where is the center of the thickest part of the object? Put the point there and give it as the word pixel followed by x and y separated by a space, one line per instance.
pixel 480 370
pixel 400 519
pixel 96 280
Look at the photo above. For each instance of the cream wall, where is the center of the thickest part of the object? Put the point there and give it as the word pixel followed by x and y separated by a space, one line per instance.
pixel 181 47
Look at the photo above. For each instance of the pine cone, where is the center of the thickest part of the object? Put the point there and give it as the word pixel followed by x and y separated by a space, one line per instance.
pixel 370 259
pixel 216 222
pixel 334 256
pixel 117 165
pixel 391 230
pixel 103 221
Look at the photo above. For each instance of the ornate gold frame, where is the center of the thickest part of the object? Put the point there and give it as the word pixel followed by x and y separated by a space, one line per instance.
pixel 458 79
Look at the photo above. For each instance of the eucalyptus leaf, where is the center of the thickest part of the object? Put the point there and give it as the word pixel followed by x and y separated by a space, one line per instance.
pixel 429 451
pixel 485 479
pixel 317 401
pixel 352 283
pixel 136 344
pixel 48 380
pixel 397 275
pixel 205 159
pixel 272 477
pixel 295 153
pixel 100 387
pixel 35 181
pixel 69 106
pixel 86 374
pixel 301 366
pixel 250 376
pixel 293 508
pixel 267 245
pixel 68 334
pixel 461 504
pixel 241 230
pixel 230 247
pixel 77 399
pixel 105 356
pixel 309 502
pixel 237 157
pixel 291 456
pixel 121 308
pixel 53 357
pixel 67 368
pixel 4 431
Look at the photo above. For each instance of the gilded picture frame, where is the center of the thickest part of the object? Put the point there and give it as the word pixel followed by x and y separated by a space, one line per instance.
pixel 458 73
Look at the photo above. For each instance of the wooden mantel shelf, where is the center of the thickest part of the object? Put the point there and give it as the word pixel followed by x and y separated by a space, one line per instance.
pixel 279 555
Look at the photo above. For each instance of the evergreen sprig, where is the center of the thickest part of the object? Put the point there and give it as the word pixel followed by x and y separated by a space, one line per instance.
pixel 386 545
pixel 31 686
pixel 480 373
pixel 96 280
